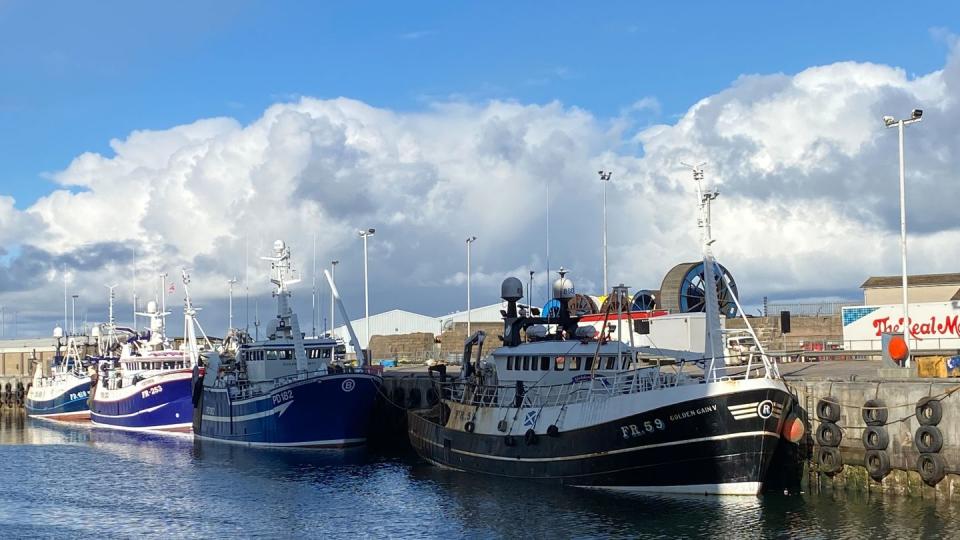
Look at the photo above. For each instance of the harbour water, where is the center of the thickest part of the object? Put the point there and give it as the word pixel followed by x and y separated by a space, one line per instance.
pixel 71 480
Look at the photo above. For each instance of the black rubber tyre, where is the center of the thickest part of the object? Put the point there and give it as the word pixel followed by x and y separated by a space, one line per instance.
pixel 509 440
pixel 929 411
pixel 828 409
pixel 468 427
pixel 928 439
pixel 413 398
pixel 398 396
pixel 874 416
pixel 502 426
pixel 877 463
pixel 432 397
pixel 553 431
pixel 875 438
pixel 829 460
pixel 932 468
pixel 828 434
pixel 530 437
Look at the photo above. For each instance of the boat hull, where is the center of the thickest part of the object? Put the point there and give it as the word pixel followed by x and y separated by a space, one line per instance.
pixel 331 410
pixel 157 403
pixel 69 403
pixel 713 444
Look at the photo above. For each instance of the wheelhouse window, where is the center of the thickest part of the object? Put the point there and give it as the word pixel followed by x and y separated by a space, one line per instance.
pixel 271 354
pixel 558 363
pixel 611 362
pixel 510 363
pixel 325 353
pixel 573 363
pixel 534 363
pixel 526 362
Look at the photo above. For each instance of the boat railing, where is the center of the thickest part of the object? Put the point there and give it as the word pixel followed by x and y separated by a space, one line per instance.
pixel 591 388
pixel 244 389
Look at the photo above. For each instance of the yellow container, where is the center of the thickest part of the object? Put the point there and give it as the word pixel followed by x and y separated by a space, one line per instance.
pixel 935 367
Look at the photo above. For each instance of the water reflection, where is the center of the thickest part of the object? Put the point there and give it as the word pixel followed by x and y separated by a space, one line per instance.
pixel 70 479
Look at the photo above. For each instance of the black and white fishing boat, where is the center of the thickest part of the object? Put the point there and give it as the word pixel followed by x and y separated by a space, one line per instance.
pixel 560 402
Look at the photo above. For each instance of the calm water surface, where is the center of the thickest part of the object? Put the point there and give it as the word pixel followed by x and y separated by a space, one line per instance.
pixel 62 480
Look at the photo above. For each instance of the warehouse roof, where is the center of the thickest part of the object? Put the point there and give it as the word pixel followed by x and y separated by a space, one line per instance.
pixel 923 280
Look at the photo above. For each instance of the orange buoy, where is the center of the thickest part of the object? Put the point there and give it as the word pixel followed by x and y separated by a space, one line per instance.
pixel 793 429
pixel 897 348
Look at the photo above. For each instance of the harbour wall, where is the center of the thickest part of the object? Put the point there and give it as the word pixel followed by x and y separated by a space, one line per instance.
pixel 894 468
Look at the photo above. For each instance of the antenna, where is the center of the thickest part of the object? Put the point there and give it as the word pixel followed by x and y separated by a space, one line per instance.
pixel 230 283
pixel 313 305
pixel 65 327
pixel 111 287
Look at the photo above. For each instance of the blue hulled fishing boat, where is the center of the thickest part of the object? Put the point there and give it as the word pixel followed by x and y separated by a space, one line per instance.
pixel 148 387
pixel 62 394
pixel 285 390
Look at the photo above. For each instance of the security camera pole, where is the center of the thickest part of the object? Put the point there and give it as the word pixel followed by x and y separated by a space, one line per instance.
pixel 890 122
pixel 366 291
pixel 605 178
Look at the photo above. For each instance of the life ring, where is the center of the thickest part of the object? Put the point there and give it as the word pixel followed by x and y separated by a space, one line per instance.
pixel 877 463
pixel 828 409
pixel 929 411
pixel 469 427
pixel 875 412
pixel 829 459
pixel 932 468
pixel 875 438
pixel 530 437
pixel 553 431
pixel 829 434
pixel 928 439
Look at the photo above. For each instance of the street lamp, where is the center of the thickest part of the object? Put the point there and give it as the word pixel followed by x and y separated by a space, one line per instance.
pixel 333 315
pixel 366 290
pixel 890 122
pixel 470 241
pixel 605 178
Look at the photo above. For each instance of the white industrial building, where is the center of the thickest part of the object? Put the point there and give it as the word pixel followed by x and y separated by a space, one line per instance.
pixel 398 322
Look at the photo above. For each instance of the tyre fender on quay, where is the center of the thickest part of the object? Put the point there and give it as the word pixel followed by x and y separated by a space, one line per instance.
pixel 828 409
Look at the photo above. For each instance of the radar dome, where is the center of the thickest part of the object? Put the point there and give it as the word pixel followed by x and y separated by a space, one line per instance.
pixel 58 332
pixel 279 245
pixel 511 289
pixel 151 307
pixel 563 289
pixel 95 331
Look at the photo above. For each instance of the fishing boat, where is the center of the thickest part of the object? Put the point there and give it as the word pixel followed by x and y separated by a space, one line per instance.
pixel 148 387
pixel 62 393
pixel 287 389
pixel 561 402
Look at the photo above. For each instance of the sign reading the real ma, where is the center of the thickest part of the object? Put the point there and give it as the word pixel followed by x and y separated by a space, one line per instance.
pixel 933 325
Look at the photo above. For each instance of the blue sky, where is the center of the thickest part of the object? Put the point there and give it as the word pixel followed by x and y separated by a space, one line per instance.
pixel 74 75
pixel 450 105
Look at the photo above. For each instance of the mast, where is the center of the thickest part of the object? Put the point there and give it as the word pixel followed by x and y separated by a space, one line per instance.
pixel 713 340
